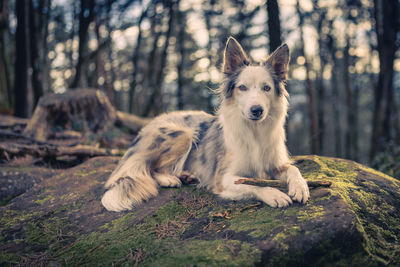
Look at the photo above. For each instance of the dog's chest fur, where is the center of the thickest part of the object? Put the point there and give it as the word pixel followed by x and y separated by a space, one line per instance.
pixel 254 148
pixel 230 145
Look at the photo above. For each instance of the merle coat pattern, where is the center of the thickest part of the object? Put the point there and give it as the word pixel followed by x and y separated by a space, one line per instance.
pixel 246 138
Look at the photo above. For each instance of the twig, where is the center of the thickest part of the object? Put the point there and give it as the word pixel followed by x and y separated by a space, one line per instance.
pixel 278 183
pixel 188 178
pixel 250 206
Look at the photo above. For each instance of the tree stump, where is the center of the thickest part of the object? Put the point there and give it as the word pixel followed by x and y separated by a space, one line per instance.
pixel 81 110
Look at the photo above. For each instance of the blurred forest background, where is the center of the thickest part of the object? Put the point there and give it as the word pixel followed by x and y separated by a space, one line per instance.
pixel 155 56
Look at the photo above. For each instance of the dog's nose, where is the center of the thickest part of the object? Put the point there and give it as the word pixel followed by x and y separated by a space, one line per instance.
pixel 256 111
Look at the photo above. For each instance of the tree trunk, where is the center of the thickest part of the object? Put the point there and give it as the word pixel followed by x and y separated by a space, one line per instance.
pixel 355 146
pixel 34 52
pixel 396 122
pixel 110 75
pixel 22 89
pixel 164 55
pixel 71 37
pixel 349 103
pixel 135 61
pixel 386 14
pixel 155 100
pixel 321 110
pixel 44 21
pixel 4 72
pixel 181 47
pixel 208 13
pixel 86 16
pixel 314 134
pixel 100 63
pixel 321 88
pixel 274 25
pixel 245 21
pixel 335 98
pixel 148 74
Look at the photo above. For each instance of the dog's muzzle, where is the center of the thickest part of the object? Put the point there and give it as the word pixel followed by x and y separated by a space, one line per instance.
pixel 256 112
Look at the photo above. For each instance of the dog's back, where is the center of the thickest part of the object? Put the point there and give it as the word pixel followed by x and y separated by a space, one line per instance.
pixel 246 139
pixel 156 157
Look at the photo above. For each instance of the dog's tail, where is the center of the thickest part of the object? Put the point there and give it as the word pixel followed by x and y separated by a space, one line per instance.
pixel 131 183
pixel 154 160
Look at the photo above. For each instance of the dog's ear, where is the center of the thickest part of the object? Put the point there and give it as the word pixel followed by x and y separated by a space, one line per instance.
pixel 234 57
pixel 279 61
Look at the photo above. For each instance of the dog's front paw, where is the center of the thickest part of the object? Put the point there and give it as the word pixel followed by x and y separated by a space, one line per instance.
pixel 298 189
pixel 275 198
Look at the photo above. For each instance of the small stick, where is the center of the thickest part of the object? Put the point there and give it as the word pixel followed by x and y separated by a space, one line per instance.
pixel 188 178
pixel 278 183
pixel 250 206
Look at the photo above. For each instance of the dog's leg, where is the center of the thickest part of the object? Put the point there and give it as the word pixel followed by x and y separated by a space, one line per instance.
pixel 158 160
pixel 167 180
pixel 173 154
pixel 298 189
pixel 271 196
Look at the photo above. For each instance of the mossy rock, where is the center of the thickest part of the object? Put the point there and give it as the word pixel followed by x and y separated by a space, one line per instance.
pixel 60 222
pixel 15 181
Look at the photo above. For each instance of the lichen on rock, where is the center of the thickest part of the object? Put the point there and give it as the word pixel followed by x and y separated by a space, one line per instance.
pixel 60 221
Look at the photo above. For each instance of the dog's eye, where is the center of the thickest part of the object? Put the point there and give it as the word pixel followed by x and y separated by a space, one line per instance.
pixel 242 88
pixel 266 88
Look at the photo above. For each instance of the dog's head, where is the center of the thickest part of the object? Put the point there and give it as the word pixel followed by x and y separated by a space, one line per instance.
pixel 254 88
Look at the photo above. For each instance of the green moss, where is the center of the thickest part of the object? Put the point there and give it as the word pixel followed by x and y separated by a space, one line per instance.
pixel 13 217
pixel 8 259
pixel 84 172
pixel 43 200
pixel 290 211
pixel 142 247
pixel 71 207
pixel 284 235
pixel 34 233
pixel 310 213
pixel 169 212
pixel 378 173
pixel 159 239
pixel 122 242
pixel 258 224
pixel 124 238
pixel 290 231
pixel 371 210
pixel 7 199
pixel 210 253
pixel 50 232
pixel 14 169
pixel 107 248
pixel 122 222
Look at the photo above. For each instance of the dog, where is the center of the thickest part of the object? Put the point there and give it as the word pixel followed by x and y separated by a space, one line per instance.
pixel 246 138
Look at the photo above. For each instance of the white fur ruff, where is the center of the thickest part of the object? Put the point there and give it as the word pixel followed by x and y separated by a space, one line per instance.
pixel 245 139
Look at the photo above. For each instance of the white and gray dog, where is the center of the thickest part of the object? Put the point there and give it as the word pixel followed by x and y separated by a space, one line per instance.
pixel 245 139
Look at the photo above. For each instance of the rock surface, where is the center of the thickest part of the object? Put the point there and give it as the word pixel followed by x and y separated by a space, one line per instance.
pixel 60 222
